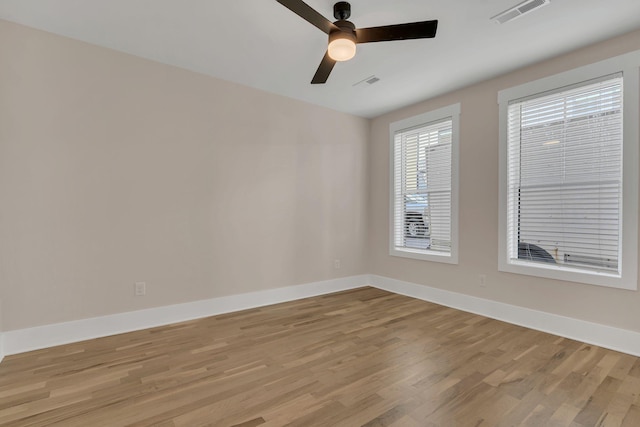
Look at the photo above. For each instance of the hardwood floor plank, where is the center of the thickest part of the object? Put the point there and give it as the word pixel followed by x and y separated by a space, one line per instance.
pixel 363 357
pixel 632 417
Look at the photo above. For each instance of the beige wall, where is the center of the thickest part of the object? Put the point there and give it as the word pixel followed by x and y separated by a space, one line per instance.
pixel 115 169
pixel 479 206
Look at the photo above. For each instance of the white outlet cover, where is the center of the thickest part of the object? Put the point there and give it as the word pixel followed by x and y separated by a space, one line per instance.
pixel 140 288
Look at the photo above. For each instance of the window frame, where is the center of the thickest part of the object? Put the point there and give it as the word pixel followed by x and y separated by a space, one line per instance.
pixel 451 112
pixel 628 65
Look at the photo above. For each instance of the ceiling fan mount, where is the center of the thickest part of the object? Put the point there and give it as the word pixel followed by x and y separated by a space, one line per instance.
pixel 342 10
pixel 343 34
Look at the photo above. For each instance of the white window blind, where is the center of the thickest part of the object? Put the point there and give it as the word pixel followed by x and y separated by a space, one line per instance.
pixel 565 177
pixel 422 188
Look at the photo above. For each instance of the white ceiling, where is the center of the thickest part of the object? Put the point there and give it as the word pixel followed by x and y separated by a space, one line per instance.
pixel 260 43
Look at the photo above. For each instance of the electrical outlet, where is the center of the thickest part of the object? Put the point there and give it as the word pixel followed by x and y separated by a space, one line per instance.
pixel 482 280
pixel 140 289
pixel 336 264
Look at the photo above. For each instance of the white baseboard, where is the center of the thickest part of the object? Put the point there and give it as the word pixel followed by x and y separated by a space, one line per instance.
pixel 610 337
pixel 23 340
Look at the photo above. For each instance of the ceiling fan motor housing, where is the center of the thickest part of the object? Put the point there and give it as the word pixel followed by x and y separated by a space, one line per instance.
pixel 345 30
pixel 342 41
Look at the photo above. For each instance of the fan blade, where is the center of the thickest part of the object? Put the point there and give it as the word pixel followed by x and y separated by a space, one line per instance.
pixel 413 30
pixel 322 74
pixel 309 14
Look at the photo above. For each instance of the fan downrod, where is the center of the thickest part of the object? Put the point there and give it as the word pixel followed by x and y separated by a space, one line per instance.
pixel 342 10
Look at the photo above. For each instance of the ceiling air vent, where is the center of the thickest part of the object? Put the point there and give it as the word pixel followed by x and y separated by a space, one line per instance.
pixel 519 10
pixel 369 80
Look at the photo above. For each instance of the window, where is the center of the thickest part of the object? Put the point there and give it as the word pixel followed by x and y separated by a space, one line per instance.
pixel 568 178
pixel 424 162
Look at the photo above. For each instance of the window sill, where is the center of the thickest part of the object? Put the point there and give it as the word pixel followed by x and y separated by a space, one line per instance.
pixel 598 278
pixel 424 255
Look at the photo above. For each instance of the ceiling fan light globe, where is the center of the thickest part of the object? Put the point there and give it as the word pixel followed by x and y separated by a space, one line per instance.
pixel 342 48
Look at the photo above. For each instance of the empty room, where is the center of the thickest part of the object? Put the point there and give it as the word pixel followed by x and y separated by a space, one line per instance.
pixel 268 213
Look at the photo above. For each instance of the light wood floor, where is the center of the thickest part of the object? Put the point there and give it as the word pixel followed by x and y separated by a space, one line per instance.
pixel 358 358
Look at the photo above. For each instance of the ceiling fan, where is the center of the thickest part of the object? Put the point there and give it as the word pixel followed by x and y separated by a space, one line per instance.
pixel 343 35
